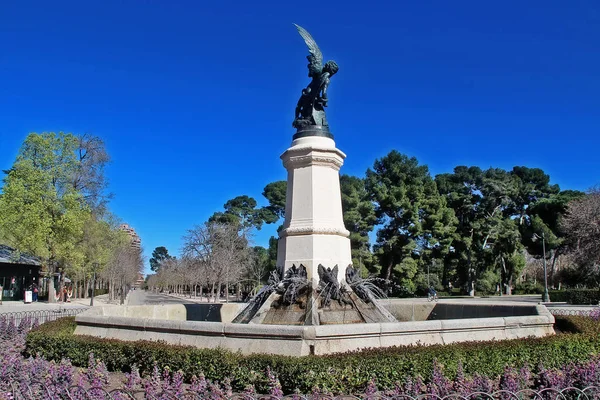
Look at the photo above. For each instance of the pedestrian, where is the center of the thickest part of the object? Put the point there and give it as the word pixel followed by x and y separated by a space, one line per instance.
pixel 35 293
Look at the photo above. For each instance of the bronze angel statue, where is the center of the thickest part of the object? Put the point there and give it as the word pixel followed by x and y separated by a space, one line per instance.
pixel 311 105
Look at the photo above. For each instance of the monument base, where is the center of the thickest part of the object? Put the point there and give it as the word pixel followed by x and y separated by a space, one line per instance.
pixel 313 253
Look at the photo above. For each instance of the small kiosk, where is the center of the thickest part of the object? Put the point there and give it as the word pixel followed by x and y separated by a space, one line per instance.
pixel 18 275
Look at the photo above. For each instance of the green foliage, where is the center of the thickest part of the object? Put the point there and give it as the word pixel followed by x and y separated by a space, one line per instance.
pixel 578 324
pixel 275 193
pixel 576 296
pixel 488 281
pixel 417 226
pixel 97 292
pixel 529 287
pixel 262 265
pixel 243 211
pixel 359 218
pixel 42 210
pixel 339 373
pixel 159 255
pixel 497 213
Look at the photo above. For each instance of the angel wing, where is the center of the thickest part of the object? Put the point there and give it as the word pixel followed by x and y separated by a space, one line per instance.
pixel 316 58
pixel 334 271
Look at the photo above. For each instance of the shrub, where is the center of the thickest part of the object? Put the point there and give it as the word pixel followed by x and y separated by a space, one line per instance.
pixel 40 378
pixel 576 296
pixel 529 287
pixel 487 282
pixel 338 373
pixel 578 324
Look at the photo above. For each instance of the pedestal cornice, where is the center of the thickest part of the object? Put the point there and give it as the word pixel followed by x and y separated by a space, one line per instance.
pixel 313 230
pixel 306 155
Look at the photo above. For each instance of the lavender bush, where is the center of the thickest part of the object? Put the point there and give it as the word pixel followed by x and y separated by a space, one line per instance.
pixel 47 379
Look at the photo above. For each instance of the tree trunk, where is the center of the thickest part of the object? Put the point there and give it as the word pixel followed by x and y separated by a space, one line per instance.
pixel 470 280
pixel 555 255
pixel 226 292
pixel 122 293
pixel 51 288
pixel 506 278
pixel 388 271
pixel 212 292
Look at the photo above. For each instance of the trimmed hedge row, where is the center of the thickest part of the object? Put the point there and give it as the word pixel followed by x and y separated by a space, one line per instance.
pixel 578 324
pixel 340 373
pixel 576 296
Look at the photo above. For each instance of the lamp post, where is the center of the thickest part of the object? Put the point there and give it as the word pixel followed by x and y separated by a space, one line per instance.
pixel 546 296
pixel 94 266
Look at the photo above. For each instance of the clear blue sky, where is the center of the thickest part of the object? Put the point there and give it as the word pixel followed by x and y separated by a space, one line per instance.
pixel 195 99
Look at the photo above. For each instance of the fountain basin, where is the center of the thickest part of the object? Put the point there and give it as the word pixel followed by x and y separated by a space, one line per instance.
pixel 174 324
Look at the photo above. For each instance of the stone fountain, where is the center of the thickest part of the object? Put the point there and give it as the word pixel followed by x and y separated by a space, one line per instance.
pixel 316 302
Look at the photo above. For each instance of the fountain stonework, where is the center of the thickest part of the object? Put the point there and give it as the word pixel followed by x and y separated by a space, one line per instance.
pixel 313 245
pixel 316 303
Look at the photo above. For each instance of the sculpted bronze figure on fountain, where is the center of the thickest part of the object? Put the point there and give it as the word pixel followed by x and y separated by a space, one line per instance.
pixel 310 117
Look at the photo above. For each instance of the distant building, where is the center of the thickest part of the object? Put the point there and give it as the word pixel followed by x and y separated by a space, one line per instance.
pixel 136 242
pixel 139 283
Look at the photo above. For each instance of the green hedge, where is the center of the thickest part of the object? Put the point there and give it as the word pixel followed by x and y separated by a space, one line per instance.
pixel 576 296
pixel 338 373
pixel 97 292
pixel 529 287
pixel 577 324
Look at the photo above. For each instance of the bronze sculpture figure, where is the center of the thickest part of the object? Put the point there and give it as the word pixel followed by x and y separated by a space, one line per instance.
pixel 310 110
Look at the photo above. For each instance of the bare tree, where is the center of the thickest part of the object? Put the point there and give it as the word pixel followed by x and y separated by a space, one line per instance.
pixel 88 177
pixel 122 270
pixel 582 225
pixel 220 253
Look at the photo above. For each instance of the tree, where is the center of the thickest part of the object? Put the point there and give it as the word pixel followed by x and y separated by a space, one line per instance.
pixel 275 193
pixel 416 223
pixel 99 240
pixel 462 192
pixel 531 185
pixel 486 204
pixel 41 211
pixel 159 255
pixel 359 218
pixel 545 216
pixel 242 211
pixel 222 249
pixel 125 265
pixel 582 226
pixel 88 177
pixel 508 252
pixel 259 267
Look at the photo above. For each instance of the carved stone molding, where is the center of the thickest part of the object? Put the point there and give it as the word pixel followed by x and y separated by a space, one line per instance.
pixel 307 148
pixel 313 230
pixel 308 160
pixel 310 154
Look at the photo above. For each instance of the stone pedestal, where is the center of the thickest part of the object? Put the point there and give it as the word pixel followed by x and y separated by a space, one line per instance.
pixel 313 234
pixel 313 231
